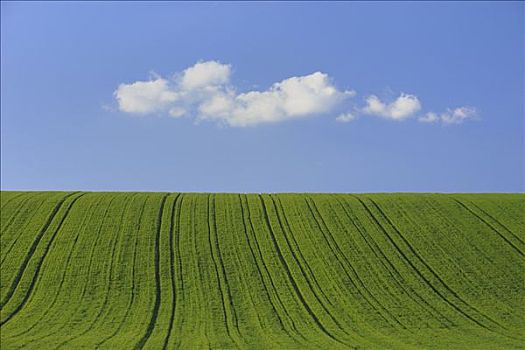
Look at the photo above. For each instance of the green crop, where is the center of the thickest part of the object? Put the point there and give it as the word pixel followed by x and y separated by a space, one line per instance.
pixel 272 271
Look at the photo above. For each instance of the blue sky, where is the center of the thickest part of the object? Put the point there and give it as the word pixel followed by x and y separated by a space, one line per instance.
pixel 263 97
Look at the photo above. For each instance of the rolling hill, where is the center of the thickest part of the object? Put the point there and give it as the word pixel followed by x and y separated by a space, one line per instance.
pixel 272 271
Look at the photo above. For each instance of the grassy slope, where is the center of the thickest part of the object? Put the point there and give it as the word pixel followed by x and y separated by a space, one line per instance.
pixel 287 271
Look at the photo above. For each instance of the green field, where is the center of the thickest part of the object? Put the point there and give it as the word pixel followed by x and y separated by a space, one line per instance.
pixel 284 271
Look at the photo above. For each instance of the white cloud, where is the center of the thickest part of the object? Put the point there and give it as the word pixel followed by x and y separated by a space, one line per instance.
pixel 204 91
pixel 292 98
pixel 451 116
pixel 219 105
pixel 430 117
pixel 205 75
pixel 144 97
pixel 345 117
pixel 177 112
pixel 402 108
pixel 458 115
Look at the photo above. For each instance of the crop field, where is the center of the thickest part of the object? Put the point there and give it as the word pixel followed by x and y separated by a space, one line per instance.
pixel 271 271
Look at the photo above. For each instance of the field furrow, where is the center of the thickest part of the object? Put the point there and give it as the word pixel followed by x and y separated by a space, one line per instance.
pixel 273 285
pixel 173 232
pixel 512 241
pixel 23 215
pixel 262 271
pixel 9 311
pixel 302 285
pixel 433 281
pixel 363 301
pixel 7 293
pixel 38 312
pixel 156 305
